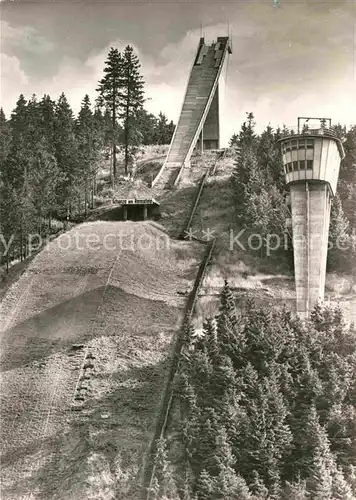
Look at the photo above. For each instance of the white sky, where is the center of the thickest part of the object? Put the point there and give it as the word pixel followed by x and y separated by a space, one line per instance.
pixel 295 60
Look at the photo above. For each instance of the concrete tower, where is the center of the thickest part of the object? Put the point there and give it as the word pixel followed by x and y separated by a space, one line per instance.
pixel 311 160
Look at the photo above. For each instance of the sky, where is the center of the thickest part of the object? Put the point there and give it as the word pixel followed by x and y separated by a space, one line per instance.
pixel 290 57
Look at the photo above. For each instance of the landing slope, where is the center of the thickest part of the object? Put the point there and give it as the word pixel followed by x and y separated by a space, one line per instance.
pixel 111 286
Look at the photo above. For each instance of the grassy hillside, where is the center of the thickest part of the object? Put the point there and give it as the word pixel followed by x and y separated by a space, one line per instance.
pixel 122 304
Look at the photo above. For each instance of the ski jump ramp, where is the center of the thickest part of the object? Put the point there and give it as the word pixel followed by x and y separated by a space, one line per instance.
pixel 198 124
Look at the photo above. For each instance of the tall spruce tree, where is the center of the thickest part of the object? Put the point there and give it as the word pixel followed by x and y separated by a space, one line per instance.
pixel 66 154
pixel 164 129
pixel 5 138
pixel 89 146
pixel 131 98
pixel 110 96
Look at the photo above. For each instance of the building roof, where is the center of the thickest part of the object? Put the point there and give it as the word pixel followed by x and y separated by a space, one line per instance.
pixel 132 190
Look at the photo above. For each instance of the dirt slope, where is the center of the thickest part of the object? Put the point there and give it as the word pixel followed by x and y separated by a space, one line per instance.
pixel 111 286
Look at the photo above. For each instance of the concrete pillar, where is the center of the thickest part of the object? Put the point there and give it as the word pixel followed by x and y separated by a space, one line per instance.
pixel 212 125
pixel 310 221
pixel 124 212
pixel 144 212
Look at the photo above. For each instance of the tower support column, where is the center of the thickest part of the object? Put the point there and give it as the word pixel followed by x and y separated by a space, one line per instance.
pixel 310 221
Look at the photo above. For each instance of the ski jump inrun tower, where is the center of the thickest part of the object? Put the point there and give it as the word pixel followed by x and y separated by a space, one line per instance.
pixel 198 124
pixel 311 161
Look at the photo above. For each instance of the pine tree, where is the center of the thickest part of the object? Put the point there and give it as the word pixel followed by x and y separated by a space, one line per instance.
pixel 227 303
pixel 16 167
pixel 257 487
pixel 210 337
pixel 131 97
pixel 66 154
pixel 110 96
pixel 226 322
pixel 341 490
pixel 205 486
pixel 164 130
pixel 316 316
pixel 247 135
pixel 347 176
pixel 47 119
pixel 44 178
pixel 224 376
pixel 146 123
pixel 320 480
pixel 5 138
pixel 9 221
pixel 295 491
pixel 234 141
pixel 270 158
pixel 338 237
pixel 163 472
pixel 89 146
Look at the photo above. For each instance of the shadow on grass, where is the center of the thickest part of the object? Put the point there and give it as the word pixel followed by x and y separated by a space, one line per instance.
pixel 120 441
pixel 57 328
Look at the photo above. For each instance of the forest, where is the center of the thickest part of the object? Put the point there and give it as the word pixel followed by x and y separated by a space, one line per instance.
pixel 49 158
pixel 266 408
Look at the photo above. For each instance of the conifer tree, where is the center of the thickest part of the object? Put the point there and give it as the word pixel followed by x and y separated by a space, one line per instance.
pixel 341 490
pixel 131 97
pixel 16 168
pixel 146 123
pixel 47 120
pixel 44 178
pixel 9 221
pixel 257 486
pixel 66 155
pixel 110 95
pixel 205 486
pixel 295 491
pixel 163 472
pixel 226 322
pixel 164 129
pixel 270 158
pixel 338 258
pixel 5 138
pixel 210 337
pixel 89 146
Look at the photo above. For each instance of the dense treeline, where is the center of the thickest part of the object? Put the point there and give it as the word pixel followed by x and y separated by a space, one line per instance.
pixel 266 409
pixel 49 157
pixel 260 191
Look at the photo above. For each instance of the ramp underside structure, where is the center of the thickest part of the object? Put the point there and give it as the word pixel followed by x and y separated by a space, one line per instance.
pixel 199 118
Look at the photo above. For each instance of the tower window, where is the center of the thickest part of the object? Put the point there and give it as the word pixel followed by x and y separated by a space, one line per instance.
pixel 295 166
pixel 302 165
pixel 310 143
pixel 309 164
